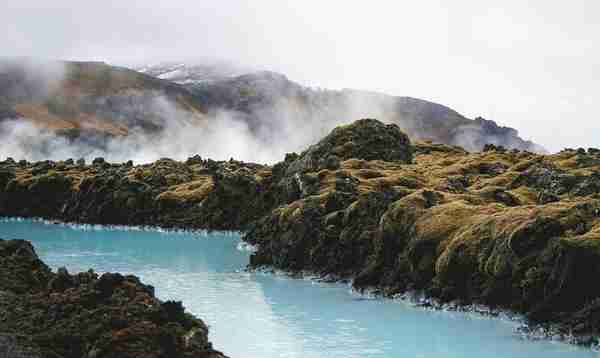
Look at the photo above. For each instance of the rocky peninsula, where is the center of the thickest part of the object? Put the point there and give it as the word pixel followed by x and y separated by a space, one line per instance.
pixel 56 314
pixel 505 228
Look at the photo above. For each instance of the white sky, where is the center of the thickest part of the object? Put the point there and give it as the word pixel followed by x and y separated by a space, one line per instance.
pixel 533 65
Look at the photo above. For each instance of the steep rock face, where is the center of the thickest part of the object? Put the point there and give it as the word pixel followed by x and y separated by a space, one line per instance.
pixel 47 314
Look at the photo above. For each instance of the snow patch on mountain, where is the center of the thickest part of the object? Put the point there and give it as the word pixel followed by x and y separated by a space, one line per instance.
pixel 186 74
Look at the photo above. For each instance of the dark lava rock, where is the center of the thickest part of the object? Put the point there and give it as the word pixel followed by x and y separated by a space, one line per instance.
pixel 196 159
pixel 547 178
pixel 98 161
pixel 493 148
pixel 52 315
pixel 6 175
pixel 545 197
pixel 14 346
pixel 505 229
pixel 366 139
pixel 207 194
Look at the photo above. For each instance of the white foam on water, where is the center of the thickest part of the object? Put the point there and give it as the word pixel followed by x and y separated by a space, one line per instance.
pixel 110 227
pixel 244 246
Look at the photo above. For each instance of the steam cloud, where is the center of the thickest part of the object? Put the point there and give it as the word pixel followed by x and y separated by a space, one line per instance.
pixel 222 139
pixel 273 130
pixel 264 135
pixel 220 136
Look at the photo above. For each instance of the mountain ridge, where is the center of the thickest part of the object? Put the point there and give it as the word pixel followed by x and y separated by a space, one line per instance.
pixel 415 116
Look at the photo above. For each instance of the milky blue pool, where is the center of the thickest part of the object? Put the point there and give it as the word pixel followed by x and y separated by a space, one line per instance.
pixel 262 315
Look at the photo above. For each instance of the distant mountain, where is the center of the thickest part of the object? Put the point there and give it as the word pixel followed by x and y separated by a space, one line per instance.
pixel 273 96
pixel 90 101
pixel 264 94
pixel 90 97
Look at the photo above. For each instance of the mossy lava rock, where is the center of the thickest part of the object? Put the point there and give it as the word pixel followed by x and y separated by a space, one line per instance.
pixel 366 139
pixel 51 315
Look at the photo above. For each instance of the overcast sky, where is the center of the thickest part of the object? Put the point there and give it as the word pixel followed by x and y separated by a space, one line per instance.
pixel 533 65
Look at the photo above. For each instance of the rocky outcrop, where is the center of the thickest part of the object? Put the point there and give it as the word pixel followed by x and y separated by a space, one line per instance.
pixel 507 229
pixel 56 314
pixel 366 139
pixel 196 194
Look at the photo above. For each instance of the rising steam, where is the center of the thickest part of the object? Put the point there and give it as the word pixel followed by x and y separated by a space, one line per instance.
pixel 262 134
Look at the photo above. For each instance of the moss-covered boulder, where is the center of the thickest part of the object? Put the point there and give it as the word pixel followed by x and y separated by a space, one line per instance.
pixel 366 139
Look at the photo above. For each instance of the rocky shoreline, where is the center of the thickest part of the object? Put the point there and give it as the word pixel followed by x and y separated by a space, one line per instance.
pixel 57 314
pixel 197 194
pixel 507 229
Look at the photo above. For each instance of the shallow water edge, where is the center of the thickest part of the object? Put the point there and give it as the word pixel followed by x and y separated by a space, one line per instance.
pixel 419 299
pixel 525 329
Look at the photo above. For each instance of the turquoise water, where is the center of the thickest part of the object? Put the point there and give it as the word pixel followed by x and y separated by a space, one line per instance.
pixel 264 315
